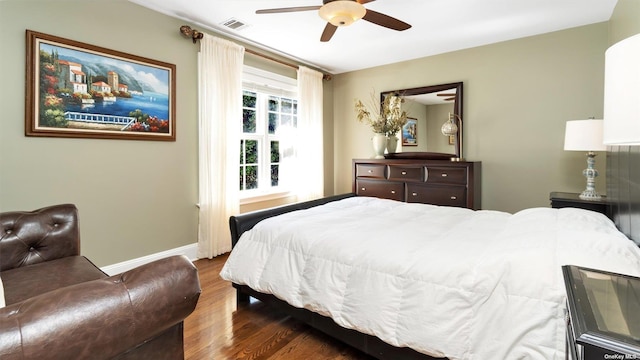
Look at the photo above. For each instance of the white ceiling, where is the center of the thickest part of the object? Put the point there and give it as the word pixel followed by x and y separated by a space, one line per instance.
pixel 438 26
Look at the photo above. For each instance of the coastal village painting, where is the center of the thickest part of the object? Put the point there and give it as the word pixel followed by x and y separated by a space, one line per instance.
pixel 80 90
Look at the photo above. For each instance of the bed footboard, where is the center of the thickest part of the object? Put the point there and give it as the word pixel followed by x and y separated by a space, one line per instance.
pixel 238 224
pixel 368 344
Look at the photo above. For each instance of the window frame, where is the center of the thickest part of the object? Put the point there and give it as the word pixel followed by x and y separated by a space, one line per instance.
pixel 267 84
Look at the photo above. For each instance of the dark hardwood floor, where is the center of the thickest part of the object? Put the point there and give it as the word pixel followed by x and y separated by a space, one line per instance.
pixel 218 330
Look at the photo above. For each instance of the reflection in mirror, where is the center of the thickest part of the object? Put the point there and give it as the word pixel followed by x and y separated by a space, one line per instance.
pixel 430 106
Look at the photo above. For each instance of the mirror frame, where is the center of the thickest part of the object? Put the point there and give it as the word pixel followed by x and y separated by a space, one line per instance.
pixel 457 105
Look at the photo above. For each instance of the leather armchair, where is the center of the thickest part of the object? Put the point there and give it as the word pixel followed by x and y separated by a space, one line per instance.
pixel 61 306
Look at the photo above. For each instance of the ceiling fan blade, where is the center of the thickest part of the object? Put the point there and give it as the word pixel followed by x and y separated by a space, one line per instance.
pixel 289 9
pixel 385 20
pixel 365 1
pixel 450 99
pixel 328 32
pixel 445 94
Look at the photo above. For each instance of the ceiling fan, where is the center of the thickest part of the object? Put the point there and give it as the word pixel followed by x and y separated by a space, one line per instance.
pixel 450 98
pixel 343 13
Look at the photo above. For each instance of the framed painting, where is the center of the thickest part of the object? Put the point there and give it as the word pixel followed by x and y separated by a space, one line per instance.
pixel 410 133
pixel 75 89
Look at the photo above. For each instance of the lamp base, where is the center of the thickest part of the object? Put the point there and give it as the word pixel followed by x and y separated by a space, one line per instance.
pixel 590 173
pixel 590 195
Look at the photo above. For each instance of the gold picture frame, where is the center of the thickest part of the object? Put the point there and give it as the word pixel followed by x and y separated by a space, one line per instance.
pixel 80 90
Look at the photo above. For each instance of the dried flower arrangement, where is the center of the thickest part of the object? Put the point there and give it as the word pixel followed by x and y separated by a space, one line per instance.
pixel 389 120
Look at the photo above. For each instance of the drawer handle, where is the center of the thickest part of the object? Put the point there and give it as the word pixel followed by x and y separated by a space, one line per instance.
pixel 370 171
pixel 454 198
pixel 444 175
pixel 393 191
pixel 363 189
pixel 414 194
pixel 404 173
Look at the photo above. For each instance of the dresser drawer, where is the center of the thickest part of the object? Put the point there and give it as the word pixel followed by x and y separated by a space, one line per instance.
pixel 437 195
pixel 406 173
pixel 370 171
pixel 446 175
pixel 382 189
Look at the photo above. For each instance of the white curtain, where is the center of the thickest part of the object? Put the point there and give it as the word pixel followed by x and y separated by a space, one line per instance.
pixel 220 113
pixel 309 138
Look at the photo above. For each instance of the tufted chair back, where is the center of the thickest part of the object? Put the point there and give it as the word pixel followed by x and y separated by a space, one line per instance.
pixel 27 237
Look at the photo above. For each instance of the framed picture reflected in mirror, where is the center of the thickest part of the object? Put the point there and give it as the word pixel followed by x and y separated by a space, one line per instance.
pixel 410 133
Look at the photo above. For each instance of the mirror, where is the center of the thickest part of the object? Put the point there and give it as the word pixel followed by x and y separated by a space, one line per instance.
pixel 430 107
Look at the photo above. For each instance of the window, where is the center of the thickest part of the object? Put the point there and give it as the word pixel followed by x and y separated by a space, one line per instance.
pixel 265 111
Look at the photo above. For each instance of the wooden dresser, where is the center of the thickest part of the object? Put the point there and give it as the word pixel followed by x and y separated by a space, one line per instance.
pixel 438 182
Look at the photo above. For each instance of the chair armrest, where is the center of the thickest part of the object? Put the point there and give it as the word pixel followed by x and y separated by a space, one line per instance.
pixel 31 237
pixel 101 318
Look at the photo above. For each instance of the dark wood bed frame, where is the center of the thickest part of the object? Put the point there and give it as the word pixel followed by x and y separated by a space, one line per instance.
pixel 623 191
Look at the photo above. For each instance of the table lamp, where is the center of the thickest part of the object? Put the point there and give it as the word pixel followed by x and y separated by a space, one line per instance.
pixel 451 128
pixel 586 135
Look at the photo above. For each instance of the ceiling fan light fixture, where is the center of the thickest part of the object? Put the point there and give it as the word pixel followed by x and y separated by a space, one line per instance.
pixel 342 12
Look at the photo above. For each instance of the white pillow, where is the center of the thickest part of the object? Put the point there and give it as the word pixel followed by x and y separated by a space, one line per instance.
pixel 1 294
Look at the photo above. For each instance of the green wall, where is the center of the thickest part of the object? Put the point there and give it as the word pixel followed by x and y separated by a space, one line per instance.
pixel 135 197
pixel 625 20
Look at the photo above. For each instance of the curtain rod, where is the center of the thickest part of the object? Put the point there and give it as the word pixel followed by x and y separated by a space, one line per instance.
pixel 196 35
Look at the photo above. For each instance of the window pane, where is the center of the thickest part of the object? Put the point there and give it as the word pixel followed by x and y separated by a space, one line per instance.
pixel 286 120
pixel 241 152
pixel 248 121
pixel 249 99
pixel 274 175
pixel 295 107
pixel 275 151
pixel 273 122
pixel 241 177
pixel 252 177
pixel 287 106
pixel 273 103
pixel 251 151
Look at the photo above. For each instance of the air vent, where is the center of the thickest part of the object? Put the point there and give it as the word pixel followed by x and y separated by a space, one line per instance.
pixel 234 24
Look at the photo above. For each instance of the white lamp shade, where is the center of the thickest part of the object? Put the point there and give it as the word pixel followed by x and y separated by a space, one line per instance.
pixel 622 93
pixel 584 135
pixel 342 12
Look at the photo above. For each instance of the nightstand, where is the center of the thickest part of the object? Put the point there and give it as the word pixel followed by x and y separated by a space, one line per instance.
pixel 563 199
pixel 603 314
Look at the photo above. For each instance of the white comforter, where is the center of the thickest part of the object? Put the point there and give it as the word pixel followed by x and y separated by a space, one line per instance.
pixel 444 281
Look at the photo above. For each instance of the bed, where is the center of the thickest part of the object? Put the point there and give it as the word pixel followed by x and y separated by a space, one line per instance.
pixel 444 283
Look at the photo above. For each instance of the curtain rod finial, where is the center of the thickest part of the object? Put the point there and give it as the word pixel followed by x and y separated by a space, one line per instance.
pixel 186 30
pixel 192 33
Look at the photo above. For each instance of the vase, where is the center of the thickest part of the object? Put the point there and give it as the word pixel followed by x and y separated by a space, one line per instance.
pixel 392 143
pixel 379 144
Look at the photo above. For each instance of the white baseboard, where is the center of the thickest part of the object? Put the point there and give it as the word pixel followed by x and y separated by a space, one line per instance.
pixel 190 251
